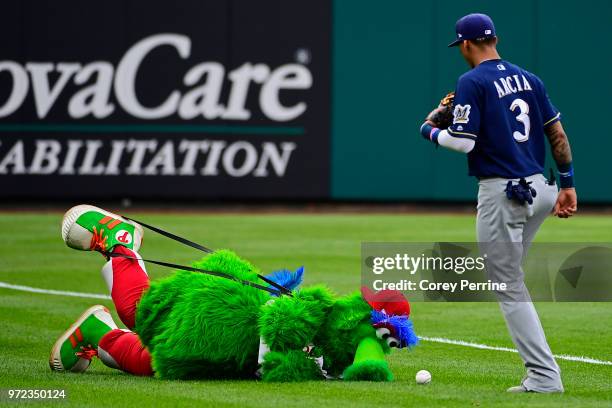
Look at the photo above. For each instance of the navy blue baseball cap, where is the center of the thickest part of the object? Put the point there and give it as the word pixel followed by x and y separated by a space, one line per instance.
pixel 473 26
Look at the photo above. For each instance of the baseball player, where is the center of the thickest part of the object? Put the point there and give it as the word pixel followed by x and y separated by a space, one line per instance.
pixel 500 116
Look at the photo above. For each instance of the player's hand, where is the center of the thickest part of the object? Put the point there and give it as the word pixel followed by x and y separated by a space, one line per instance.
pixel 567 203
pixel 442 116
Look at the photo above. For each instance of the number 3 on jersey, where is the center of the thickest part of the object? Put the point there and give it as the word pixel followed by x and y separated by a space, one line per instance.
pixel 522 117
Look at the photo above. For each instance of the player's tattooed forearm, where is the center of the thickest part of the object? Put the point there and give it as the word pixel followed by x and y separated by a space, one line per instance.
pixel 559 144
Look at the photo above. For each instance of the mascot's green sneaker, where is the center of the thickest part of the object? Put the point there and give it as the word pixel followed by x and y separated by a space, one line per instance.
pixel 75 348
pixel 90 228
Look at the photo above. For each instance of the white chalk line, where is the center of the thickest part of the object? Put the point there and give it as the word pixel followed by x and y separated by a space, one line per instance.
pixel 442 340
pixel 22 288
pixel 581 359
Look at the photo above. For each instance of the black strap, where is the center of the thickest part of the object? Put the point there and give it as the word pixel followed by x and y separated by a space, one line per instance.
pixel 281 289
pixel 192 269
pixel 170 235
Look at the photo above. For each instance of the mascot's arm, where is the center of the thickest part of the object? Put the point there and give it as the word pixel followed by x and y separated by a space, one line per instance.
pixel 369 363
pixel 291 323
pixel 287 325
pixel 293 365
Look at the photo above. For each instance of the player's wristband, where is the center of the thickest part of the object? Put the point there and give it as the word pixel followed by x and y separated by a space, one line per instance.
pixel 429 132
pixel 566 175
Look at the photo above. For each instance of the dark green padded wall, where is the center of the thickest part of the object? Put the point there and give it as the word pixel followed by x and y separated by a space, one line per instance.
pixel 391 65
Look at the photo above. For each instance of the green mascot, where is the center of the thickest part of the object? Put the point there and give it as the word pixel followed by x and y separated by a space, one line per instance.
pixel 224 323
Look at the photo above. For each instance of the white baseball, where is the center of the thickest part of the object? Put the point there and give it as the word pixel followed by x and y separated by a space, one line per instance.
pixel 423 377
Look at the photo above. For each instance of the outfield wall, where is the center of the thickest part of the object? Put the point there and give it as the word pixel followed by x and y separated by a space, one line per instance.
pixel 307 100
pixel 391 65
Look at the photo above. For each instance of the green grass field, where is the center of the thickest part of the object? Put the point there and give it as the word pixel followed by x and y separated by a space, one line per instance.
pixel 33 254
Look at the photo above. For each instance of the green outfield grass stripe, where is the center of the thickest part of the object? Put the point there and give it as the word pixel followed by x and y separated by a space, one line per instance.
pixel 442 340
pixel 22 288
pixel 151 128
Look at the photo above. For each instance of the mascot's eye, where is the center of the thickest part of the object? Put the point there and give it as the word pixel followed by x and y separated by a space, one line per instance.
pixel 392 342
pixel 382 332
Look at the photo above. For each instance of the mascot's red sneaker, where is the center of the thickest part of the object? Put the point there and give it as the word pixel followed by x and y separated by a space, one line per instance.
pixel 90 228
pixel 75 348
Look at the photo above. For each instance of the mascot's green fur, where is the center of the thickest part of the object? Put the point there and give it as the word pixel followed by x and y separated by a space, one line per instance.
pixel 201 326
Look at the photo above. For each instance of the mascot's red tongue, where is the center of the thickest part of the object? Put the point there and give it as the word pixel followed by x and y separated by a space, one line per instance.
pixel 392 301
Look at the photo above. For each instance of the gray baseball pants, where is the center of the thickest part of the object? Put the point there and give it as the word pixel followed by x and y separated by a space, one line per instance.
pixel 501 220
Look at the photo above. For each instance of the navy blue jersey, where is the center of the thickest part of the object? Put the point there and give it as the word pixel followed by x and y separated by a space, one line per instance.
pixel 504 109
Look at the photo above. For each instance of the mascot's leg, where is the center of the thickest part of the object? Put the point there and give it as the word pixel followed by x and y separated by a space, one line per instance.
pixel 89 228
pixel 126 279
pixel 122 349
pixel 95 333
